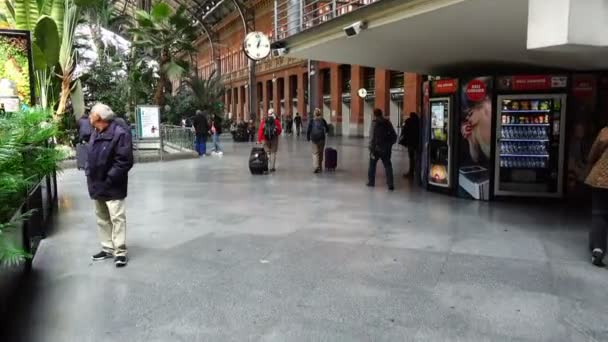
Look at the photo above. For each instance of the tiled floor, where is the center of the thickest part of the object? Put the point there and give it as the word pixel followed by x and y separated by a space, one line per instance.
pixel 220 255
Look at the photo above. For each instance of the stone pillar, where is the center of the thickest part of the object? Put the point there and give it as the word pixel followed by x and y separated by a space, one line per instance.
pixel 356 104
pixel 383 91
pixel 336 97
pixel 235 103
pixel 240 113
pixel 413 94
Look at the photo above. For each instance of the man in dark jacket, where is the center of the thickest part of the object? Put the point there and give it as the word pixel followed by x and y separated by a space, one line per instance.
pixel 317 130
pixel 110 158
pixel 382 138
pixel 84 129
pixel 298 122
pixel 201 131
pixel 410 138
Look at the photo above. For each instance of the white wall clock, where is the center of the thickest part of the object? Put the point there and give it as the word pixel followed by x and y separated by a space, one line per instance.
pixel 256 46
pixel 362 93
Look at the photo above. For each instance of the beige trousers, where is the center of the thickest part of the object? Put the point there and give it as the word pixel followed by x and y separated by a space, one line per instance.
pixel 112 226
pixel 317 154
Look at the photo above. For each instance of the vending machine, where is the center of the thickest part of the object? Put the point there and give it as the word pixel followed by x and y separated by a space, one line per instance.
pixel 440 146
pixel 530 136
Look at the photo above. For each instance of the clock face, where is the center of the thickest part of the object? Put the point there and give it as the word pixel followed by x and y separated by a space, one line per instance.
pixel 362 92
pixel 256 46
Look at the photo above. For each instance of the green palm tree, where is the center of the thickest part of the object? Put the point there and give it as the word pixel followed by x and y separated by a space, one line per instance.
pixel 208 92
pixel 164 36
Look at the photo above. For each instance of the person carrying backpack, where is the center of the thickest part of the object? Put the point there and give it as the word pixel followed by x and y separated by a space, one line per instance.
pixel 268 134
pixel 317 130
pixel 382 139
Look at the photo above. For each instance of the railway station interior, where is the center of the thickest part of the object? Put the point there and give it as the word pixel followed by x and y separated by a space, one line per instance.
pixel 488 240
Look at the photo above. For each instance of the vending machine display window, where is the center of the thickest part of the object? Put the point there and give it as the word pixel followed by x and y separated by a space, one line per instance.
pixel 530 145
pixel 439 147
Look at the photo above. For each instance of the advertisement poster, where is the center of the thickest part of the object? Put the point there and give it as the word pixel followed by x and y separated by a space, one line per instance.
pixel 475 138
pixel 15 70
pixel 148 122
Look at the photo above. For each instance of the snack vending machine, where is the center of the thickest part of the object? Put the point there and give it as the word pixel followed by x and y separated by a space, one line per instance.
pixel 440 150
pixel 531 140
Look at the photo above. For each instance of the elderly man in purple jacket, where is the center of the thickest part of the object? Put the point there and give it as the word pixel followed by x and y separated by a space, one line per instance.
pixel 110 157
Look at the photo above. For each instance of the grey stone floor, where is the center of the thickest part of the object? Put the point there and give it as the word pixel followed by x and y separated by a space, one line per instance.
pixel 220 255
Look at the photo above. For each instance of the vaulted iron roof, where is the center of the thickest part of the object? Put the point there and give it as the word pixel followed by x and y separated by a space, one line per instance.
pixel 206 12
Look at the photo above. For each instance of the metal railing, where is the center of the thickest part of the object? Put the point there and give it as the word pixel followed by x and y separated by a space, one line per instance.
pixel 294 16
pixel 178 137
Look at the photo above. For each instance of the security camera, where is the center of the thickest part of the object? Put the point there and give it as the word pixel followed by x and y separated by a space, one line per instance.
pixel 354 29
pixel 280 52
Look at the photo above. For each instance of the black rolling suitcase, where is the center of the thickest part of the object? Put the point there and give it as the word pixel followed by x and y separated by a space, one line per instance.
pixel 331 159
pixel 81 156
pixel 258 161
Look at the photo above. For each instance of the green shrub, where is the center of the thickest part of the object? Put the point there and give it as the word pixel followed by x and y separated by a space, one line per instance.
pixel 26 156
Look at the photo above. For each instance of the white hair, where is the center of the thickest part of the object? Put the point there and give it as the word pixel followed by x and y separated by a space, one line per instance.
pixel 271 111
pixel 104 111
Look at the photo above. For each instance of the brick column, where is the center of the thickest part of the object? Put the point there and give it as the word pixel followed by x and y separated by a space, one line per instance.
pixel 287 96
pixel 336 96
pixel 413 93
pixel 265 99
pixel 276 103
pixel 383 91
pixel 301 91
pixel 356 103
pixel 232 102
pixel 241 110
pixel 226 100
pixel 321 89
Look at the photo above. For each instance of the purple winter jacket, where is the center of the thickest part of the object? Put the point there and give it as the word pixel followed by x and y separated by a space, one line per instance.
pixel 110 158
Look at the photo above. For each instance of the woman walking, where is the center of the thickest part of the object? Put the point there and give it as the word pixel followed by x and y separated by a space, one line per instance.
pixel 598 180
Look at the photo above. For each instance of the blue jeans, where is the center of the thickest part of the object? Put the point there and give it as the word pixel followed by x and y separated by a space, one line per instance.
pixel 216 143
pixel 200 145
pixel 388 169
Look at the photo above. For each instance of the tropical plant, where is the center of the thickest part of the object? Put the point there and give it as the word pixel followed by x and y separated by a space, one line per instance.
pixel 164 36
pixel 180 105
pixel 107 82
pixel 25 158
pixel 207 92
pixel 53 24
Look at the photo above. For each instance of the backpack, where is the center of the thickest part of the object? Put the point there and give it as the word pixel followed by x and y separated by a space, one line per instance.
pixel 384 137
pixel 270 129
pixel 317 132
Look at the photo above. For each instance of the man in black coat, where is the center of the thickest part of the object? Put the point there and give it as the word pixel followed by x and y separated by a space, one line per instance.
pixel 201 131
pixel 382 138
pixel 410 138
pixel 110 157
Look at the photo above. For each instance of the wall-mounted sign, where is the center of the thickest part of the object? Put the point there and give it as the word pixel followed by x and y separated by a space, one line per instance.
pixel 443 87
pixel 532 82
pixel 476 90
pixel 148 122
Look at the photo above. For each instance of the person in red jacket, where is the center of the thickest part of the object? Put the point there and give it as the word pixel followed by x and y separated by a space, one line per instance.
pixel 268 134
